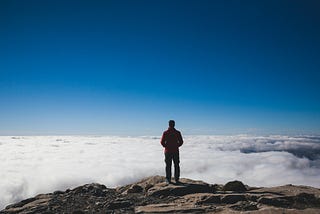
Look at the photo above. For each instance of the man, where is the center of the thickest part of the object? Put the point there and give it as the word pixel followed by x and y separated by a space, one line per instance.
pixel 171 141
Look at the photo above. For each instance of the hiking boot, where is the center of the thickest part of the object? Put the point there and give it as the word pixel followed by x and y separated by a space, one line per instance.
pixel 178 182
pixel 168 181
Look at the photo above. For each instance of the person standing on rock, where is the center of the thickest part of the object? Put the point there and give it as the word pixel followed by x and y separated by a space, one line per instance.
pixel 171 141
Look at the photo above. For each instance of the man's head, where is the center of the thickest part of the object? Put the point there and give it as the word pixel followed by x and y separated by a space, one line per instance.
pixel 171 123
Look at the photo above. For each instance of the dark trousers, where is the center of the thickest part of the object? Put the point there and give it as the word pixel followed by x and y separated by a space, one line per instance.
pixel 169 157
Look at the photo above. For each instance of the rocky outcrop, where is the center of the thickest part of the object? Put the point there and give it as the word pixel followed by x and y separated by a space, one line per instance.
pixel 236 186
pixel 153 195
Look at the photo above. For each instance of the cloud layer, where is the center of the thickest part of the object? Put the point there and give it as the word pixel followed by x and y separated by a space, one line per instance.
pixel 32 165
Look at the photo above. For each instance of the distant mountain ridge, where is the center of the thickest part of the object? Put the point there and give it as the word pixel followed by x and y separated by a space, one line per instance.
pixel 153 195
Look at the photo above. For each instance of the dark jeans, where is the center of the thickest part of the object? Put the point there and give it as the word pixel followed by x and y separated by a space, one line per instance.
pixel 169 157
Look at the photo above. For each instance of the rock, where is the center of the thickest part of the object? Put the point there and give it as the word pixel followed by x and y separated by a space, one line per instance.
pixel 235 186
pixel 135 189
pixel 215 199
pixel 119 204
pixel 287 190
pixel 153 195
pixel 245 206
pixel 58 192
pixel 276 201
pixel 179 190
pixel 170 208
pixel 21 203
pixel 93 189
pixel 218 187
pixel 34 205
pixel 145 183
pixel 186 187
pixel 303 200
pixel 147 187
pixel 233 198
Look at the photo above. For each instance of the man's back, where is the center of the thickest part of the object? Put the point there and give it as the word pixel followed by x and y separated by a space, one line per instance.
pixel 171 140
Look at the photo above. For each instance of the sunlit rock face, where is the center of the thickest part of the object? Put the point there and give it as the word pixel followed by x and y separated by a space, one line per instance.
pixel 153 195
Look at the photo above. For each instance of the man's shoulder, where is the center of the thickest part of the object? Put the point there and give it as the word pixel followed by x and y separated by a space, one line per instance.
pixel 177 131
pixel 171 131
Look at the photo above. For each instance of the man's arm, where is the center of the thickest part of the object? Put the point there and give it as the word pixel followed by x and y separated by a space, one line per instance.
pixel 180 139
pixel 163 139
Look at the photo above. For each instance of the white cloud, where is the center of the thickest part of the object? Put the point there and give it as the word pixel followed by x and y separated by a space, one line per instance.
pixel 32 165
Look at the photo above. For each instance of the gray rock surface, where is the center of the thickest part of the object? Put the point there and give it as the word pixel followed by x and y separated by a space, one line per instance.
pixel 153 195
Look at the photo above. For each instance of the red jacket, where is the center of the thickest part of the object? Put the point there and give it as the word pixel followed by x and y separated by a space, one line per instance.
pixel 171 140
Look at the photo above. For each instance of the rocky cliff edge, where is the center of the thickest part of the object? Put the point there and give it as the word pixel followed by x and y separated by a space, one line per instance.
pixel 153 195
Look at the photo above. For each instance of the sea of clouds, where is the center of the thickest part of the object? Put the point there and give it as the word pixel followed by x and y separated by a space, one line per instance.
pixel 31 165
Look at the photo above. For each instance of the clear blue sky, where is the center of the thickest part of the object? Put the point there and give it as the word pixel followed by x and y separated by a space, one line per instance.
pixel 127 67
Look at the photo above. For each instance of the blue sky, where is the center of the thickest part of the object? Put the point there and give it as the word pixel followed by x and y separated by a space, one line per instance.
pixel 127 67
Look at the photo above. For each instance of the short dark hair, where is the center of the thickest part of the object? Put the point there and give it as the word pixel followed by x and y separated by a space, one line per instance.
pixel 171 123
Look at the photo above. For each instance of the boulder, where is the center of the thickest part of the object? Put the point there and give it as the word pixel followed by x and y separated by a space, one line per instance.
pixel 235 186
